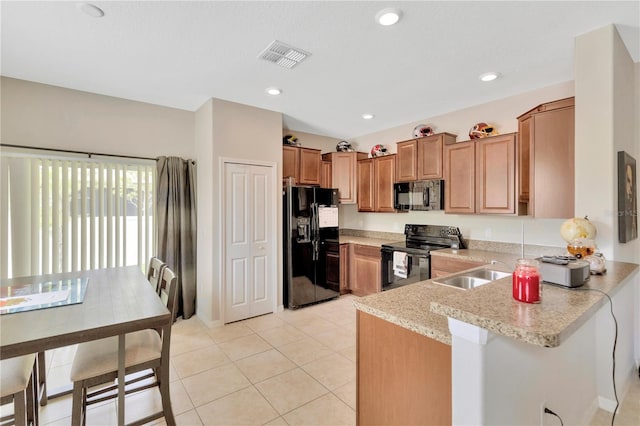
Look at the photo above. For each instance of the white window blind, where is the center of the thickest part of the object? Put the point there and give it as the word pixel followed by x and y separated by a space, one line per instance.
pixel 72 214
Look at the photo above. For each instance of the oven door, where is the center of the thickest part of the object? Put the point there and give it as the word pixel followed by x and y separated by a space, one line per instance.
pixel 417 269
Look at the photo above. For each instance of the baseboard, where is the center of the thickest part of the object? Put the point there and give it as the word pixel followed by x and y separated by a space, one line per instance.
pixel 609 404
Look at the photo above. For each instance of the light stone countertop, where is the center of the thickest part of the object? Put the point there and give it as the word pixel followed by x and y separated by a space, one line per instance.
pixel 424 307
pixel 409 307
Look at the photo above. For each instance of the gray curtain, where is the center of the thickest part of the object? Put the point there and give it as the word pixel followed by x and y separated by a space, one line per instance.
pixel 176 225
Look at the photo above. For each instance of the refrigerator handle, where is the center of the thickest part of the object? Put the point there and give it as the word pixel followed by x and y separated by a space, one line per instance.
pixel 315 229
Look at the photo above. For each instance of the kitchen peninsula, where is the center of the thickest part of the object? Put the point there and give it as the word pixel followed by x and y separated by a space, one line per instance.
pixel 449 356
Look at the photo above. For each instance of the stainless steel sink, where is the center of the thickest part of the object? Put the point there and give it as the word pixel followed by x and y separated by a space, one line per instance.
pixel 472 278
pixel 464 281
pixel 488 274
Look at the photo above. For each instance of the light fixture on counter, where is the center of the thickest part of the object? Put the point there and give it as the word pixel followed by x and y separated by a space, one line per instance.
pixel 273 91
pixel 388 16
pixel 489 76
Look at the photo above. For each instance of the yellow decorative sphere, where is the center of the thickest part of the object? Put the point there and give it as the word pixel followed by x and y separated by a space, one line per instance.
pixel 577 227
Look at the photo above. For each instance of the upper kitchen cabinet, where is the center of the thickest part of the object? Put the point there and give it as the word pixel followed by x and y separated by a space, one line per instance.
pixel 546 160
pixel 480 175
pixel 344 174
pixel 375 184
pixel 421 158
pixel 325 174
pixel 303 164
pixel 460 177
pixel 496 174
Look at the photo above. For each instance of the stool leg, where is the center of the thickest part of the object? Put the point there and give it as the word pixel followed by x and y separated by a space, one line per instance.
pixel 20 408
pixel 42 378
pixel 32 402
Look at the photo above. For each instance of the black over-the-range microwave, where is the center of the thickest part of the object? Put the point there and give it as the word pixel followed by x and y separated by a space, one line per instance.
pixel 419 195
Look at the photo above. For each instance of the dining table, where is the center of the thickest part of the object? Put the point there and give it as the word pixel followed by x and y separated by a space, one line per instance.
pixel 116 301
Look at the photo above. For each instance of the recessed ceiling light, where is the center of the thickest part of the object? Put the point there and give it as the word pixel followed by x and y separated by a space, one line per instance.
pixel 90 9
pixel 489 76
pixel 368 116
pixel 273 91
pixel 388 16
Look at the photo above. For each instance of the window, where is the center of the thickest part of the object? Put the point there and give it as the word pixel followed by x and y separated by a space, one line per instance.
pixel 62 214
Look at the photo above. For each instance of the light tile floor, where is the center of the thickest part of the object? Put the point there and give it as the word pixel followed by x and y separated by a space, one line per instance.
pixel 289 368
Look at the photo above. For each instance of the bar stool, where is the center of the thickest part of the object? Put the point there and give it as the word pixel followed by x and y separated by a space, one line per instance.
pixel 17 387
pixel 96 363
pixel 154 272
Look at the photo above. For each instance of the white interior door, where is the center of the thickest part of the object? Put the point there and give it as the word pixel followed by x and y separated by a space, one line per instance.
pixel 249 239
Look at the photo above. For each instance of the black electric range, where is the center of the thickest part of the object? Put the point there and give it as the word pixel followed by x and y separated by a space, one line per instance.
pixel 406 262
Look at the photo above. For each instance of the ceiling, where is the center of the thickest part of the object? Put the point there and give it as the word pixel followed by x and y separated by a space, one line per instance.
pixel 179 54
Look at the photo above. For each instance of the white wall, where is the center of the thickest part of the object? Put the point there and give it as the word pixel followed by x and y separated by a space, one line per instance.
pixel 502 114
pixel 310 140
pixel 232 131
pixel 606 122
pixel 206 299
pixel 36 114
pixel 501 381
pixel 574 378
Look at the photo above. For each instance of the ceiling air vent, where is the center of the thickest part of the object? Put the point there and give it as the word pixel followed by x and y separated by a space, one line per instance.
pixel 282 54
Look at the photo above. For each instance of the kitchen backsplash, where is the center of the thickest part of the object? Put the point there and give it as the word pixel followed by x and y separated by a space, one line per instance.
pixel 530 250
pixel 373 234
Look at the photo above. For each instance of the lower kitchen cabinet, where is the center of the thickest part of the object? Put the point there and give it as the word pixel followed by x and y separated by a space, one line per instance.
pixel 442 266
pixel 365 270
pixel 344 268
pixel 402 378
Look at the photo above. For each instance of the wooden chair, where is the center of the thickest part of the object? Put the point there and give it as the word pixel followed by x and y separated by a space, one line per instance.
pixel 96 363
pixel 17 378
pixel 154 270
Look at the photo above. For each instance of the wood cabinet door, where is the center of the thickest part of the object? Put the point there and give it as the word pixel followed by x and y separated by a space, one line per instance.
pixel 309 166
pixel 344 176
pixel 344 268
pixel 495 174
pixel 552 164
pixel 290 162
pixel 365 278
pixel 459 168
pixel 403 378
pixel 384 172
pixel 429 156
pixel 407 154
pixel 366 185
pixel 524 144
pixel 325 174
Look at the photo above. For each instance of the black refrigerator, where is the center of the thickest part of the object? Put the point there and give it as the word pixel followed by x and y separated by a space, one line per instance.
pixel 311 245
